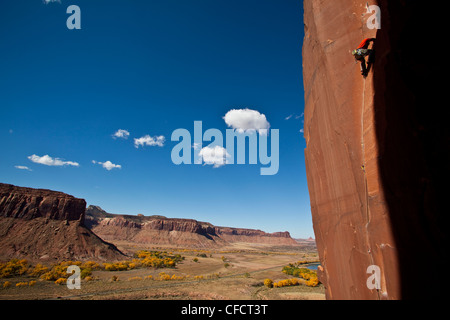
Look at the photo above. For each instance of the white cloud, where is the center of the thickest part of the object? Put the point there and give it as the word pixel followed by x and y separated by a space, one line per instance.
pixel 298 117
pixel 22 168
pixel 288 117
pixel 149 141
pixel 123 134
pixel 48 1
pixel 108 165
pixel 301 130
pixel 196 145
pixel 215 156
pixel 246 119
pixel 49 161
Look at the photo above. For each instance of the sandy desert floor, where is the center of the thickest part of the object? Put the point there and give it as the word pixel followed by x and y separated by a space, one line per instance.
pixel 235 273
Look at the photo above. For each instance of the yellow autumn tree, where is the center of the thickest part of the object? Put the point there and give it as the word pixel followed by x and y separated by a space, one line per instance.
pixel 268 283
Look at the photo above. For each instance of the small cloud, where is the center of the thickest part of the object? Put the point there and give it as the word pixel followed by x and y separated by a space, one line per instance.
pixel 196 145
pixel 301 130
pixel 122 134
pixel 49 1
pixel 149 141
pixel 296 116
pixel 246 119
pixel 49 161
pixel 108 165
pixel 215 156
pixel 23 168
pixel 299 116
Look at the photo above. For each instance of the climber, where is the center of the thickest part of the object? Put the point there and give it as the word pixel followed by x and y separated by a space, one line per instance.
pixel 361 52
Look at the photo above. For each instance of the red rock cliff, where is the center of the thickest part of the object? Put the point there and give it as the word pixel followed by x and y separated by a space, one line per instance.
pixel 373 148
pixel 40 224
pixel 186 232
pixel 28 203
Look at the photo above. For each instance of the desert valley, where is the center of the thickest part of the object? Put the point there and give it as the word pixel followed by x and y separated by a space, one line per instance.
pixel 43 232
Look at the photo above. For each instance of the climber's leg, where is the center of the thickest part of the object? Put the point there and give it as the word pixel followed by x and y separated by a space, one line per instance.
pixel 364 70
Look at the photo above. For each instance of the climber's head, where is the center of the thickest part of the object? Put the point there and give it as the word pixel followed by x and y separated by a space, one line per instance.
pixel 358 54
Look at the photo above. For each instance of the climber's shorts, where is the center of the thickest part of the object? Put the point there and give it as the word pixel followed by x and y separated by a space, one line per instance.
pixel 360 53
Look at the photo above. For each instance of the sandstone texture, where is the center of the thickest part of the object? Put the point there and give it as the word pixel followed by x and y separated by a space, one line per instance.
pixel 171 231
pixel 42 224
pixel 373 148
pixel 28 203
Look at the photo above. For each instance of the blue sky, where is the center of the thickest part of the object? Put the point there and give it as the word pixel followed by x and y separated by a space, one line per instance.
pixel 151 67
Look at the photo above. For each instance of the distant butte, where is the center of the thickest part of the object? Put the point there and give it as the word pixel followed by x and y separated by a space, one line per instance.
pixel 172 231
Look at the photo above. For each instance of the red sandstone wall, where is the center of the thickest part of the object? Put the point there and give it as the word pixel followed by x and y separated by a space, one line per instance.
pixel 377 149
pixel 29 203
pixel 350 218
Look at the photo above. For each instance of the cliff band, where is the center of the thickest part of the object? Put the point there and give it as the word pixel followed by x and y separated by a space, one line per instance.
pixel 174 231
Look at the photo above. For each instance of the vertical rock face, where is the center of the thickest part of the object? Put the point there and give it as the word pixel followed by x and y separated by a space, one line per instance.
pixel 370 152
